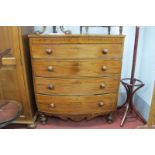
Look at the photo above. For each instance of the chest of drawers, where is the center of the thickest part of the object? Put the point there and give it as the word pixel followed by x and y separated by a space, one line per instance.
pixel 76 76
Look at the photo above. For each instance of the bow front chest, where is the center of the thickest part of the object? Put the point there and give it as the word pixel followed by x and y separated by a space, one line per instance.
pixel 76 76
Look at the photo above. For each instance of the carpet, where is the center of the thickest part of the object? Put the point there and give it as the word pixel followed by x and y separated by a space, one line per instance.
pixel 96 123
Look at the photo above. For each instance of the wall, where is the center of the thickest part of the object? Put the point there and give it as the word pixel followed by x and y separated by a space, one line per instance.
pixel 146 70
pixel 147 66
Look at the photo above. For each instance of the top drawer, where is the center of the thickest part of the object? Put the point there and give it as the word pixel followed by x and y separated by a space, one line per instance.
pixel 76 51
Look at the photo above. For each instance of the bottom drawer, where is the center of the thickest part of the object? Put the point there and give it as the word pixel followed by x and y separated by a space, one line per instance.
pixel 76 104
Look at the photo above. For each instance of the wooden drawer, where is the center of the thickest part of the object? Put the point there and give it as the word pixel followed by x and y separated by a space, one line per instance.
pixel 70 68
pixel 76 51
pixel 76 104
pixel 77 86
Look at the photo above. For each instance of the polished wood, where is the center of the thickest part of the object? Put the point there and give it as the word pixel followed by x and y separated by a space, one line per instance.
pixel 75 51
pixel 76 104
pixel 76 76
pixel 15 74
pixel 132 87
pixel 73 68
pixel 110 118
pixel 151 119
pixel 76 86
pixel 4 52
pixel 134 55
pixel 76 39
pixel 8 60
pixel 43 118
pixel 32 125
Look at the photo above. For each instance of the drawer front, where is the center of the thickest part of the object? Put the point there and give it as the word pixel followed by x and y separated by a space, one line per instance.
pixel 78 86
pixel 76 104
pixel 93 67
pixel 75 51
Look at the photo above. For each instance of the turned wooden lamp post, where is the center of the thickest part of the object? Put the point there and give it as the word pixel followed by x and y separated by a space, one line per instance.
pixel 131 85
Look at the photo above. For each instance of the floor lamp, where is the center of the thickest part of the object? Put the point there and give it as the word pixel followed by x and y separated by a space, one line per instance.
pixel 131 85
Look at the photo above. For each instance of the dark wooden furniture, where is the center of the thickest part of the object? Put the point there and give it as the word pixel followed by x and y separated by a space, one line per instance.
pixel 15 74
pixel 131 89
pixel 131 85
pixel 76 76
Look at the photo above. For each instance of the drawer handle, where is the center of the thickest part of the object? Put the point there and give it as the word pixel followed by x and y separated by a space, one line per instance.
pixel 48 51
pixel 50 86
pixel 102 86
pixel 50 68
pixel 104 68
pixel 52 105
pixel 101 104
pixel 105 51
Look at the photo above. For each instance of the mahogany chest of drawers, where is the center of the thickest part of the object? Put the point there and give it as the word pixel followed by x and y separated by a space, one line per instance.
pixel 76 76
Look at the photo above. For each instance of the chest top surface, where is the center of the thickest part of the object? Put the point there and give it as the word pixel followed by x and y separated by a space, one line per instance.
pixel 49 39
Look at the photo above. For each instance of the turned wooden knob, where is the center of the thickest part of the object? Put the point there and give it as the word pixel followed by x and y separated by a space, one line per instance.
pixel 102 86
pixel 48 51
pixel 50 86
pixel 104 68
pixel 52 105
pixel 50 68
pixel 105 51
pixel 101 104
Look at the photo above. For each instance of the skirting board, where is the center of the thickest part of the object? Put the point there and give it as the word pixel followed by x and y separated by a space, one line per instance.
pixel 141 106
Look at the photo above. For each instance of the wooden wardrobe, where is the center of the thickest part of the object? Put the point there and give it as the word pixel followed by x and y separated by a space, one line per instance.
pixel 15 71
